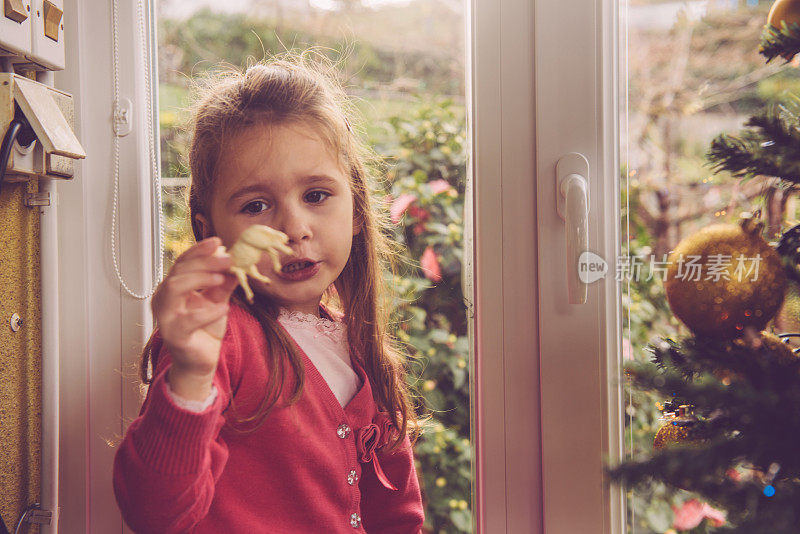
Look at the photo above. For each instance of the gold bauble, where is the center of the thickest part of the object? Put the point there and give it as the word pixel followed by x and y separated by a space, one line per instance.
pixel 787 11
pixel 680 430
pixel 742 285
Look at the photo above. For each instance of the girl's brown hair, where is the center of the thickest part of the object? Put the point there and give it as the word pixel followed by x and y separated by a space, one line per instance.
pixel 298 89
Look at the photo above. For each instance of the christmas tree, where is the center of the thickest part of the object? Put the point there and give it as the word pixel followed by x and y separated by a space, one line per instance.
pixel 732 389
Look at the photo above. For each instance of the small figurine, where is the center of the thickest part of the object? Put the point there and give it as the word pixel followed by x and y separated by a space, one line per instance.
pixel 247 250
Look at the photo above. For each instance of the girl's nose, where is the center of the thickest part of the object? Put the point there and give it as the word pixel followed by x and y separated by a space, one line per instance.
pixel 294 224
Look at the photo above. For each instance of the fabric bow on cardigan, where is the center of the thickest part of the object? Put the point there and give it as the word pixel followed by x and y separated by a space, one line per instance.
pixel 371 437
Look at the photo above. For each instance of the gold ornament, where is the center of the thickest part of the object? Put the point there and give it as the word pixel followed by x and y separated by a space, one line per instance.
pixel 787 11
pixel 681 429
pixel 725 278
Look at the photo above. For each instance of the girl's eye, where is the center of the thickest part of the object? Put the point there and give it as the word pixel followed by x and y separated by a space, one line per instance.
pixel 315 197
pixel 255 207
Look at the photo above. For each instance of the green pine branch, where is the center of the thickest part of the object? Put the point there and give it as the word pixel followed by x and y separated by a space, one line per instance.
pixel 784 41
pixel 769 147
pixel 703 470
pixel 746 399
pixel 747 402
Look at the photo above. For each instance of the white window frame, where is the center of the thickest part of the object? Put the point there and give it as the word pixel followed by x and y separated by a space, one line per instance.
pixel 545 414
pixel 577 95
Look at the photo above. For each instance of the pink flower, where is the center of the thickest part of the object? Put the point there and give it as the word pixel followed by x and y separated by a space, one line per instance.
pixel 692 513
pixel 627 349
pixel 717 517
pixel 400 205
pixel 420 213
pixel 733 474
pixel 439 186
pixel 430 265
pixel 689 515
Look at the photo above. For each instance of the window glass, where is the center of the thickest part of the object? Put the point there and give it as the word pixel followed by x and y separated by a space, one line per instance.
pixel 403 65
pixel 690 71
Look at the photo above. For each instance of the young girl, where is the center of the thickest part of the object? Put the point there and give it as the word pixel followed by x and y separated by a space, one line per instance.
pixel 289 415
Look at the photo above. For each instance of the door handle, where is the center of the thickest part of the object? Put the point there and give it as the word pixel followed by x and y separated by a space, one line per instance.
pixel 572 201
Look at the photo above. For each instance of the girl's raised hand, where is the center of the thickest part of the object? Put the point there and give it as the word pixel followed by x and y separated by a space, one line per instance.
pixel 191 308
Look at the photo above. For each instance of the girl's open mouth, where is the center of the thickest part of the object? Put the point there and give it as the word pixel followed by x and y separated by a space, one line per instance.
pixel 299 271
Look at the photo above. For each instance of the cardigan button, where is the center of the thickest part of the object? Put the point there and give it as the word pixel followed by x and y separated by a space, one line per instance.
pixel 343 431
pixel 355 520
pixel 352 476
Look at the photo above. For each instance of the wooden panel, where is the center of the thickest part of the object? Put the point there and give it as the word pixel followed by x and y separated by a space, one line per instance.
pixel 20 354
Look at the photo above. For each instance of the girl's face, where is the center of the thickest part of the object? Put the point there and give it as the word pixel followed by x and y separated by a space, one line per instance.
pixel 288 178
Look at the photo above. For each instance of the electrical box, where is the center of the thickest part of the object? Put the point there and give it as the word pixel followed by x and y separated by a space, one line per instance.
pixel 32 34
pixel 50 114
pixel 15 28
pixel 47 34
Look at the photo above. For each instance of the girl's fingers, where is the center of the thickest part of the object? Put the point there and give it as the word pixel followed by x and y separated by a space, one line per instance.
pixel 206 247
pixel 187 323
pixel 222 292
pixel 178 285
pixel 202 263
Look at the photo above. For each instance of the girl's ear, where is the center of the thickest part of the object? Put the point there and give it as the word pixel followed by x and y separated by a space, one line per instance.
pixel 203 226
pixel 356 224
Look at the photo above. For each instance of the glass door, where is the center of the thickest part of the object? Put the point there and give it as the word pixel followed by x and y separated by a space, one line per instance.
pixel 634 92
pixel 689 71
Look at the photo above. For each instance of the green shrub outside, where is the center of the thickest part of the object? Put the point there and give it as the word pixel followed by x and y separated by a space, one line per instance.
pixel 646 316
pixel 208 34
pixel 427 158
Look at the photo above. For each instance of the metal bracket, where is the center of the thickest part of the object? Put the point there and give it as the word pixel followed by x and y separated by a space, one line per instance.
pixel 37 199
pixel 38 517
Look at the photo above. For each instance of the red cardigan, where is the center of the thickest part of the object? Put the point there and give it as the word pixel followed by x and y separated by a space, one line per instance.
pixel 313 467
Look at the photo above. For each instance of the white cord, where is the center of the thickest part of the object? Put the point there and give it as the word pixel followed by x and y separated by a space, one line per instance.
pixel 154 171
